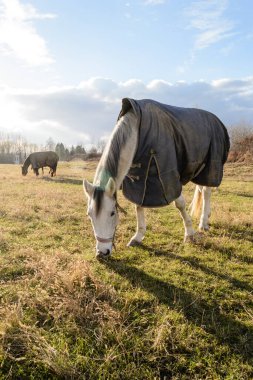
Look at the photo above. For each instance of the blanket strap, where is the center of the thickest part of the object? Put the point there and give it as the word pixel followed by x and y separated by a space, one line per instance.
pixel 121 209
pixel 134 178
pixel 136 165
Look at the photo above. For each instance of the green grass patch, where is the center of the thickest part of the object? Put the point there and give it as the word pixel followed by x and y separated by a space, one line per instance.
pixel 163 310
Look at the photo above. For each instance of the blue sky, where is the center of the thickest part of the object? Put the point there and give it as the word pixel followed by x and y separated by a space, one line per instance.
pixel 65 65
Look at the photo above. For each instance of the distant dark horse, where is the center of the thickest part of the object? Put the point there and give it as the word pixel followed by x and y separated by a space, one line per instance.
pixel 153 151
pixel 39 160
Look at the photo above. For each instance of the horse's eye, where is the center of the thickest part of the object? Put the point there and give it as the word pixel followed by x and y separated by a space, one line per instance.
pixel 112 213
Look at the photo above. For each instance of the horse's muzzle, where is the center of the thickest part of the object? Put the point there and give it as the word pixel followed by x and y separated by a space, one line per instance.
pixel 104 247
pixel 103 254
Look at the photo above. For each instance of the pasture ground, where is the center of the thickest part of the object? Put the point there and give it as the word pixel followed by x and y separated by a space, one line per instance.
pixel 164 310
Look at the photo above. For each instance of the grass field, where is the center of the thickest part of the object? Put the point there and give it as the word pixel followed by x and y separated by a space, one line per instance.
pixel 164 310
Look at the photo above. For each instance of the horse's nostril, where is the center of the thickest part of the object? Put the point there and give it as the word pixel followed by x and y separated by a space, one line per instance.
pixel 101 254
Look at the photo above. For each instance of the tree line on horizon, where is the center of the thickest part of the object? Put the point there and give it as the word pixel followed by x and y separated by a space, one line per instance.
pixel 15 149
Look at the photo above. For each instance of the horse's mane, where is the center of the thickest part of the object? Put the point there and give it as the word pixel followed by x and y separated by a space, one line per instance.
pixel 97 196
pixel 108 165
pixel 27 162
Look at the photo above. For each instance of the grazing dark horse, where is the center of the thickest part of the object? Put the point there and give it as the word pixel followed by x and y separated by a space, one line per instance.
pixel 153 151
pixel 39 160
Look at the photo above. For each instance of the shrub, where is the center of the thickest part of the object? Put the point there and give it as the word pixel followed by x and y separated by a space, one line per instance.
pixel 241 137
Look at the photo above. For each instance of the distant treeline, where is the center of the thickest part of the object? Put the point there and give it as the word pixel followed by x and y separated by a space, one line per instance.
pixel 15 149
pixel 78 151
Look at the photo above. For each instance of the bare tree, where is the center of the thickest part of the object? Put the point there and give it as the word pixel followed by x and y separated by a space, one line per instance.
pixel 101 145
pixel 50 144
pixel 238 133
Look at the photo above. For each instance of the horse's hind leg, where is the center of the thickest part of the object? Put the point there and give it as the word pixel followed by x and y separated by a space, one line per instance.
pixel 141 227
pixel 206 209
pixel 189 231
pixel 54 171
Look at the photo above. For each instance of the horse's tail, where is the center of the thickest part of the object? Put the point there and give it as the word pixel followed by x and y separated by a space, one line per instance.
pixel 195 205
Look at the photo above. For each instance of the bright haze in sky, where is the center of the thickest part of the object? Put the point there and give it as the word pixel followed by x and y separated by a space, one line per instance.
pixel 65 65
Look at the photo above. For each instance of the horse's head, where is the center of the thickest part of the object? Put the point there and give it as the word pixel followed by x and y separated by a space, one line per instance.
pixel 24 170
pixel 102 210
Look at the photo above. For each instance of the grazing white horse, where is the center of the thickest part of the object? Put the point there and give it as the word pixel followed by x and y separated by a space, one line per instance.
pixel 113 168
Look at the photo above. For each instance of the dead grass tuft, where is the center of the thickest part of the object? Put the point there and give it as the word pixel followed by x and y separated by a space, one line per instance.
pixel 60 292
pixel 21 342
pixel 67 290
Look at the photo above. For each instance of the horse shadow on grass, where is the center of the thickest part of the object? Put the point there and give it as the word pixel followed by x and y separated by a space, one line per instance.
pixel 207 315
pixel 195 264
pixel 240 194
pixel 229 252
pixel 236 231
pixel 71 181
pixel 244 195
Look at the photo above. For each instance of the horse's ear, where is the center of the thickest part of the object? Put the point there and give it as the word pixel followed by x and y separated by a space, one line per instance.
pixel 88 188
pixel 110 188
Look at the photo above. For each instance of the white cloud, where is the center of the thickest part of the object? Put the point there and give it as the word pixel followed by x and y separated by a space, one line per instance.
pixel 87 112
pixel 18 35
pixel 227 84
pixel 209 20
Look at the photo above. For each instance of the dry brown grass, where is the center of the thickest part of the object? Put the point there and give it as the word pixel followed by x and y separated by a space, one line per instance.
pixel 57 291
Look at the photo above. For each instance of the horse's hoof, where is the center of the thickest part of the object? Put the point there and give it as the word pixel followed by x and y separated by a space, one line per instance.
pixel 195 239
pixel 189 239
pixel 203 228
pixel 133 243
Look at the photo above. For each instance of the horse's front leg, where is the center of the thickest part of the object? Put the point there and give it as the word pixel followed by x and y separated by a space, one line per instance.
pixel 141 227
pixel 36 171
pixel 189 231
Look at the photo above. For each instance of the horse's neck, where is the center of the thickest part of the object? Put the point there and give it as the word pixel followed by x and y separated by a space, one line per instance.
pixel 126 154
pixel 27 162
pixel 126 158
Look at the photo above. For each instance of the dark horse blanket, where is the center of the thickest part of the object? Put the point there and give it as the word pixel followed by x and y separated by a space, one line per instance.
pixel 176 145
